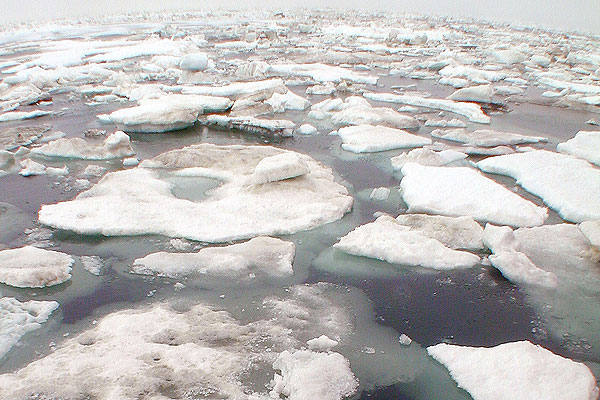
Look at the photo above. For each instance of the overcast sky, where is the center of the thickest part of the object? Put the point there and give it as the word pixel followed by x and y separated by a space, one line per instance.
pixel 582 15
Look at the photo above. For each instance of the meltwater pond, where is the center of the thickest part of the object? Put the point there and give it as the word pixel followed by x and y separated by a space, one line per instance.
pixel 220 251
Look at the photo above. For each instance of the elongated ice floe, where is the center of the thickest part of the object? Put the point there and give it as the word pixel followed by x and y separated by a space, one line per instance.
pixel 566 184
pixel 321 73
pixel 463 191
pixel 32 267
pixel 515 371
pixel 138 201
pixel 369 138
pixel 360 115
pixel 262 254
pixel 470 110
pixel 485 137
pixel 116 145
pixel 585 144
pixel 427 157
pixel 239 89
pixel 288 101
pixel 388 240
pixel 281 127
pixel 21 115
pixel 17 318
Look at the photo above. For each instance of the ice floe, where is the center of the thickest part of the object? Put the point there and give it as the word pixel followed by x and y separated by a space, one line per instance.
pixel 116 145
pixel 566 184
pixel 21 115
pixel 32 267
pixel 427 157
pixel 281 127
pixel 585 144
pixel 453 232
pixel 463 191
pixel 137 201
pixel 262 254
pixel 369 138
pixel 485 137
pixel 477 94
pixel 516 370
pixel 321 73
pixel 591 230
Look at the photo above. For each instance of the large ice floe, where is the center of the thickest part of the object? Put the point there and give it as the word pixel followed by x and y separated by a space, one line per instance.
pixel 369 138
pixel 17 318
pixel 566 184
pixel 516 370
pixel 463 191
pixel 389 240
pixel 138 201
pixel 116 145
pixel 266 255
pixel 32 267
pixel 585 144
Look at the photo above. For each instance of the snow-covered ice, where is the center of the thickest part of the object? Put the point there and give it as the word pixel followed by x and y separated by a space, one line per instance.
pixel 322 343
pixel 32 267
pixel 369 138
pixel 425 156
pixel 485 137
pixel 281 127
pixel 454 232
pixel 116 145
pixel 585 144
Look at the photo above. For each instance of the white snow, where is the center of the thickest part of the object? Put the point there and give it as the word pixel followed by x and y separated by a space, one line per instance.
pixel 485 137
pixel 427 157
pixel 32 267
pixel 470 110
pixel 566 184
pixel 264 254
pixel 388 240
pixel 322 343
pixel 116 145
pixel 463 191
pixel 453 232
pixel 137 201
pixel 585 145
pixel 369 138
pixel 515 371
pixel 17 318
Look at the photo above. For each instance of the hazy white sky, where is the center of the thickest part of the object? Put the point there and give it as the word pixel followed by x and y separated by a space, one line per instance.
pixel 583 15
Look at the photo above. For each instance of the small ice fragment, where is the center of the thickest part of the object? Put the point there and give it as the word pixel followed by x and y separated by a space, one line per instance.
pixel 380 194
pixel 322 343
pixel 404 340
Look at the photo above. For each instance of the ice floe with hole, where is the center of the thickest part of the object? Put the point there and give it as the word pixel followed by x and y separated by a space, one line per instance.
pixel 32 267
pixel 585 144
pixel 17 318
pixel 425 156
pixel 454 232
pixel 321 73
pixel 168 113
pixel 263 254
pixel 116 145
pixel 470 110
pixel 369 138
pixel 511 262
pixel 463 191
pixel 515 370
pixel 281 127
pixel 566 184
pixel 485 137
pixel 389 240
pixel 137 201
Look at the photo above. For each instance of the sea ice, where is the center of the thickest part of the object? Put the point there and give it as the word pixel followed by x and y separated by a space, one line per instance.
pixel 591 230
pixel 453 232
pixel 17 318
pixel 585 144
pixel 279 167
pixel 321 73
pixel 515 371
pixel 388 240
pixel 116 145
pixel 566 184
pixel 306 129
pixel 264 254
pixel 137 201
pixel 194 62
pixel 380 194
pixel 21 115
pixel 369 138
pixel 281 127
pixel 239 89
pixel 322 343
pixel 288 101
pixel 462 191
pixel 485 137
pixel 32 267
pixel 477 94
pixel 32 168
pixel 367 115
pixel 92 264
pixel 427 157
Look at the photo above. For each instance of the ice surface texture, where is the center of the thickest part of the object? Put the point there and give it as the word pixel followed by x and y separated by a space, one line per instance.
pixel 32 267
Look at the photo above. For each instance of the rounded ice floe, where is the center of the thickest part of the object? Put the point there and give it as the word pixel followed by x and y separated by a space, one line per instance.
pixel 194 62
pixel 387 240
pixel 369 138
pixel 279 167
pixel 463 191
pixel 322 343
pixel 427 157
pixel 585 144
pixel 566 184
pixel 16 319
pixel 264 254
pixel 515 371
pixel 306 129
pixel 138 201
pixel 311 375
pixel 454 232
pixel 116 145
pixel 32 267
pixel 485 137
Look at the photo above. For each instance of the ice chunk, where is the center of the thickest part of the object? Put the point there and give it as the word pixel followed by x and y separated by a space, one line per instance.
pixel 478 94
pixel 137 201
pixel 568 185
pixel 92 264
pixel 239 89
pixel 322 343
pixel 281 127
pixel 94 170
pixel 380 194
pixel 194 62
pixel 427 157
pixel 591 230
pixel 462 191
pixel 265 254
pixel 470 110
pixel 288 101
pixel 453 232
pixel 369 138
pixel 21 115
pixel 387 240
pixel 31 168
pixel 310 375
pixel 279 167
pixel 404 340
pixel 321 73
pixel 306 129
pixel 509 56
pixel 363 115
pixel 130 162
pixel 485 137
pixel 32 267
pixel 584 145
pixel 116 145
pixel 516 370
pixel 443 123
pixel 16 319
